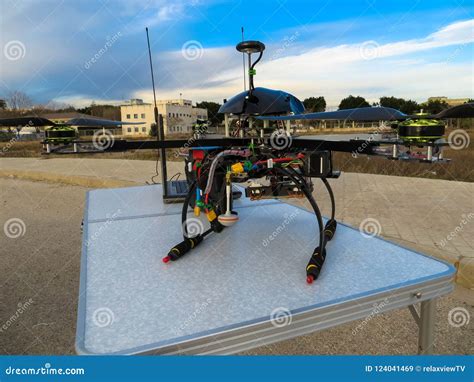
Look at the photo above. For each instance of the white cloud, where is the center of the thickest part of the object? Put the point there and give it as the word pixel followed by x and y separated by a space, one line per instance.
pixel 398 68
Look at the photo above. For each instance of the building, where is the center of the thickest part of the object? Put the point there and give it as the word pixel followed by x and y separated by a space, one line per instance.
pixel 179 116
pixel 449 101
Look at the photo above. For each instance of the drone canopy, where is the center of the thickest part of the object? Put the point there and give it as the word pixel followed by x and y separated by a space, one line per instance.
pixel 263 101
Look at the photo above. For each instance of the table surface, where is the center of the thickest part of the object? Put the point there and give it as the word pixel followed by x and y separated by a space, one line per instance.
pixel 254 272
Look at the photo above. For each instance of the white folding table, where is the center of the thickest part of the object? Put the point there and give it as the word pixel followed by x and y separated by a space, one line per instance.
pixel 239 289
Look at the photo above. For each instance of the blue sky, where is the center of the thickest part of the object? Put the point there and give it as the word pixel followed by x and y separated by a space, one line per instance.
pixel 77 51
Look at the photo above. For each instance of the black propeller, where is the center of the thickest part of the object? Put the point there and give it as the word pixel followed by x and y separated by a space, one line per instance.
pixel 26 121
pixel 375 114
pixel 465 110
pixel 85 122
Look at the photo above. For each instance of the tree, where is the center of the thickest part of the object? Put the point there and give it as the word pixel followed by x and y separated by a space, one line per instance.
pixel 17 100
pixel 212 111
pixel 434 106
pixel 102 111
pixel 315 104
pixel 3 104
pixel 352 102
pixel 405 106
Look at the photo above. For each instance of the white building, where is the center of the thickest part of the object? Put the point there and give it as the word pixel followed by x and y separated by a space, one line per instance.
pixel 179 116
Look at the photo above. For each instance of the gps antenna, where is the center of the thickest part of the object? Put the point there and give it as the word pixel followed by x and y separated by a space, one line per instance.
pixel 159 126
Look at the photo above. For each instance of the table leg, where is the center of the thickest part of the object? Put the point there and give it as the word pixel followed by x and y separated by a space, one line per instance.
pixel 427 324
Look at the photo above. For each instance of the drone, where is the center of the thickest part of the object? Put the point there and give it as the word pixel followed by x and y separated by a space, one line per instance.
pixel 281 166
pixel 273 163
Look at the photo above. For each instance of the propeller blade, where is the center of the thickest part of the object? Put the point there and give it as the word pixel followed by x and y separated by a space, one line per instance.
pixel 86 122
pixel 359 114
pixel 461 111
pixel 26 121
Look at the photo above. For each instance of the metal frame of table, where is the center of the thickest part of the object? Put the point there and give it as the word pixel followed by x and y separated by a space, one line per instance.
pixel 259 331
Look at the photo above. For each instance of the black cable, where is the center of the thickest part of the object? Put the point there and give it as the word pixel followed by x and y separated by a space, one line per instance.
pixel 331 195
pixel 303 186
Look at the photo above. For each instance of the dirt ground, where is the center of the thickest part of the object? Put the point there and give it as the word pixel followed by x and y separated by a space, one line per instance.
pixel 39 283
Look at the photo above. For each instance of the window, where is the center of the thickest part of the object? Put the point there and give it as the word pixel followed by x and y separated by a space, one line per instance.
pixel 143 115
pixel 135 116
pixel 136 129
pixel 169 115
pixel 143 129
pixel 128 116
pixel 129 129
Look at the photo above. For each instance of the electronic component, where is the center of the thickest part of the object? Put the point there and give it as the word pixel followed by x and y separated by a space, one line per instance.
pixel 318 164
